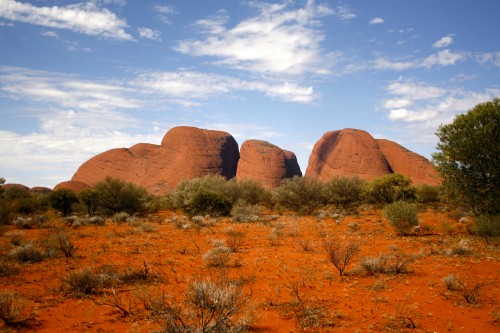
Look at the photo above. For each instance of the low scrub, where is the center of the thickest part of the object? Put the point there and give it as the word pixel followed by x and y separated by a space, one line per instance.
pixel 340 253
pixel 487 227
pixel 303 195
pixel 27 253
pixel 13 309
pixel 402 216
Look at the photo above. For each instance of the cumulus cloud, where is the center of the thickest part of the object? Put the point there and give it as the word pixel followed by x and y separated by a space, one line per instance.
pixel 443 58
pixel 163 12
pixel 422 107
pixel 376 20
pixel 443 42
pixel 279 40
pixel 84 18
pixel 150 34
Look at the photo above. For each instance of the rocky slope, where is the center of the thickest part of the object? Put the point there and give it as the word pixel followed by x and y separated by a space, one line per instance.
pixel 352 152
pixel 266 163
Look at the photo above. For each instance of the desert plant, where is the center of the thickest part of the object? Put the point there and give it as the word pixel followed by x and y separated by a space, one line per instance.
pixel 209 202
pixel 8 268
pixel 487 226
pixel 340 253
pixel 306 245
pixel 64 244
pixel 453 283
pixel 85 282
pixel 218 256
pixel 234 239
pixel 402 216
pixel 344 191
pixel 427 193
pixel 90 198
pixel 96 220
pixel 300 194
pixel 16 237
pixel 390 188
pixel 27 253
pixel 244 212
pixel 12 307
pixel 119 196
pixel 211 307
pixel 248 191
pixel 62 200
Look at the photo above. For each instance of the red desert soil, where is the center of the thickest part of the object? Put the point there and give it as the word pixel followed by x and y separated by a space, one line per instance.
pixel 273 264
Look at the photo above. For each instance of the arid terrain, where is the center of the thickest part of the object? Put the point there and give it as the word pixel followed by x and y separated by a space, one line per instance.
pixel 279 261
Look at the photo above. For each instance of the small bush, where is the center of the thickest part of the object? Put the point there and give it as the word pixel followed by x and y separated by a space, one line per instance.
pixel 487 226
pixel 96 220
pixel 118 196
pixel 27 253
pixel 24 222
pixel 65 245
pixel 87 282
pixel 12 308
pixel 218 256
pixel 300 194
pixel 62 200
pixel 340 253
pixel 244 212
pixel 453 283
pixel 206 202
pixel 16 237
pixel 211 307
pixel 344 192
pixel 234 239
pixel 427 194
pixel 402 216
pixel 8 268
pixel 391 188
pixel 120 217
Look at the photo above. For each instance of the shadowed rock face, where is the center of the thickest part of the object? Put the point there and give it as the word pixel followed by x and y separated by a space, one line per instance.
pixel 347 152
pixel 40 189
pixel 408 163
pixel 184 153
pixel 266 163
pixel 351 152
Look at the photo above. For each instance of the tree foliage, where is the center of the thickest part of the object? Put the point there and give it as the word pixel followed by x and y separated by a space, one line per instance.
pixel 344 191
pixel 390 188
pixel 118 196
pixel 468 157
pixel 62 200
pixel 90 198
pixel 301 194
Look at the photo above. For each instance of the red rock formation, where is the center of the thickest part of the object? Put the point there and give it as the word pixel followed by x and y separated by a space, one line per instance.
pixel 266 163
pixel 40 189
pixel 73 185
pixel 347 152
pixel 184 153
pixel 408 163
pixel 17 186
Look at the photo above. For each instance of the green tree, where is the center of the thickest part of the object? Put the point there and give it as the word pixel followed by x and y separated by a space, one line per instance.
pixel 468 157
pixel 301 194
pixel 90 198
pixel 344 191
pixel 118 196
pixel 62 200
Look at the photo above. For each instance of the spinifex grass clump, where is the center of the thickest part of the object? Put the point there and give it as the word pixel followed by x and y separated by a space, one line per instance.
pixel 402 216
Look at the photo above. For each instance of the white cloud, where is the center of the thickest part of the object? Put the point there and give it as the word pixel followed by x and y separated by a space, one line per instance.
pixel 376 20
pixel 84 18
pixel 150 34
pixel 443 42
pixel 279 40
pixel 163 12
pixel 344 13
pixel 422 107
pixel 188 85
pixel 489 58
pixel 443 58
pixel 386 64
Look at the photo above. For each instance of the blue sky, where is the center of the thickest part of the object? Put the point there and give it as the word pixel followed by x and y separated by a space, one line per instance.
pixel 78 78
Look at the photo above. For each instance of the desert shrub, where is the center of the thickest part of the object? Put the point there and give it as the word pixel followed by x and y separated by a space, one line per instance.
pixel 25 222
pixel 89 197
pixel 374 265
pixel 12 307
pixel 120 217
pixel 390 188
pixel 62 200
pixel 4 212
pixel 185 191
pixel 96 220
pixel 118 196
pixel 340 253
pixel 403 216
pixel 64 244
pixel 89 282
pixel 453 283
pixel 249 191
pixel 427 193
pixel 209 202
pixel 27 253
pixel 244 212
pixel 300 194
pixel 234 239
pixel 211 307
pixel 344 191
pixel 218 256
pixel 394 263
pixel 16 237
pixel 487 226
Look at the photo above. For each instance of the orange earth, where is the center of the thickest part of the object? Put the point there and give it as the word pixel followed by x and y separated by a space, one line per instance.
pixel 278 268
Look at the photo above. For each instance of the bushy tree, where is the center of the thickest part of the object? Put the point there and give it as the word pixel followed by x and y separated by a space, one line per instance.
pixel 344 191
pixel 90 198
pixel 301 194
pixel 403 216
pixel 185 191
pixel 390 188
pixel 209 202
pixel 468 157
pixel 118 196
pixel 249 191
pixel 62 200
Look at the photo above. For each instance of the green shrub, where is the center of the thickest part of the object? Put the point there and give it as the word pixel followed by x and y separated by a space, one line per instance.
pixel 390 188
pixel 249 191
pixel 344 191
pixel 185 191
pixel 209 202
pixel 427 193
pixel 90 198
pixel 62 200
pixel 12 308
pixel 4 212
pixel 300 194
pixel 487 226
pixel 118 196
pixel 402 216
pixel 27 253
